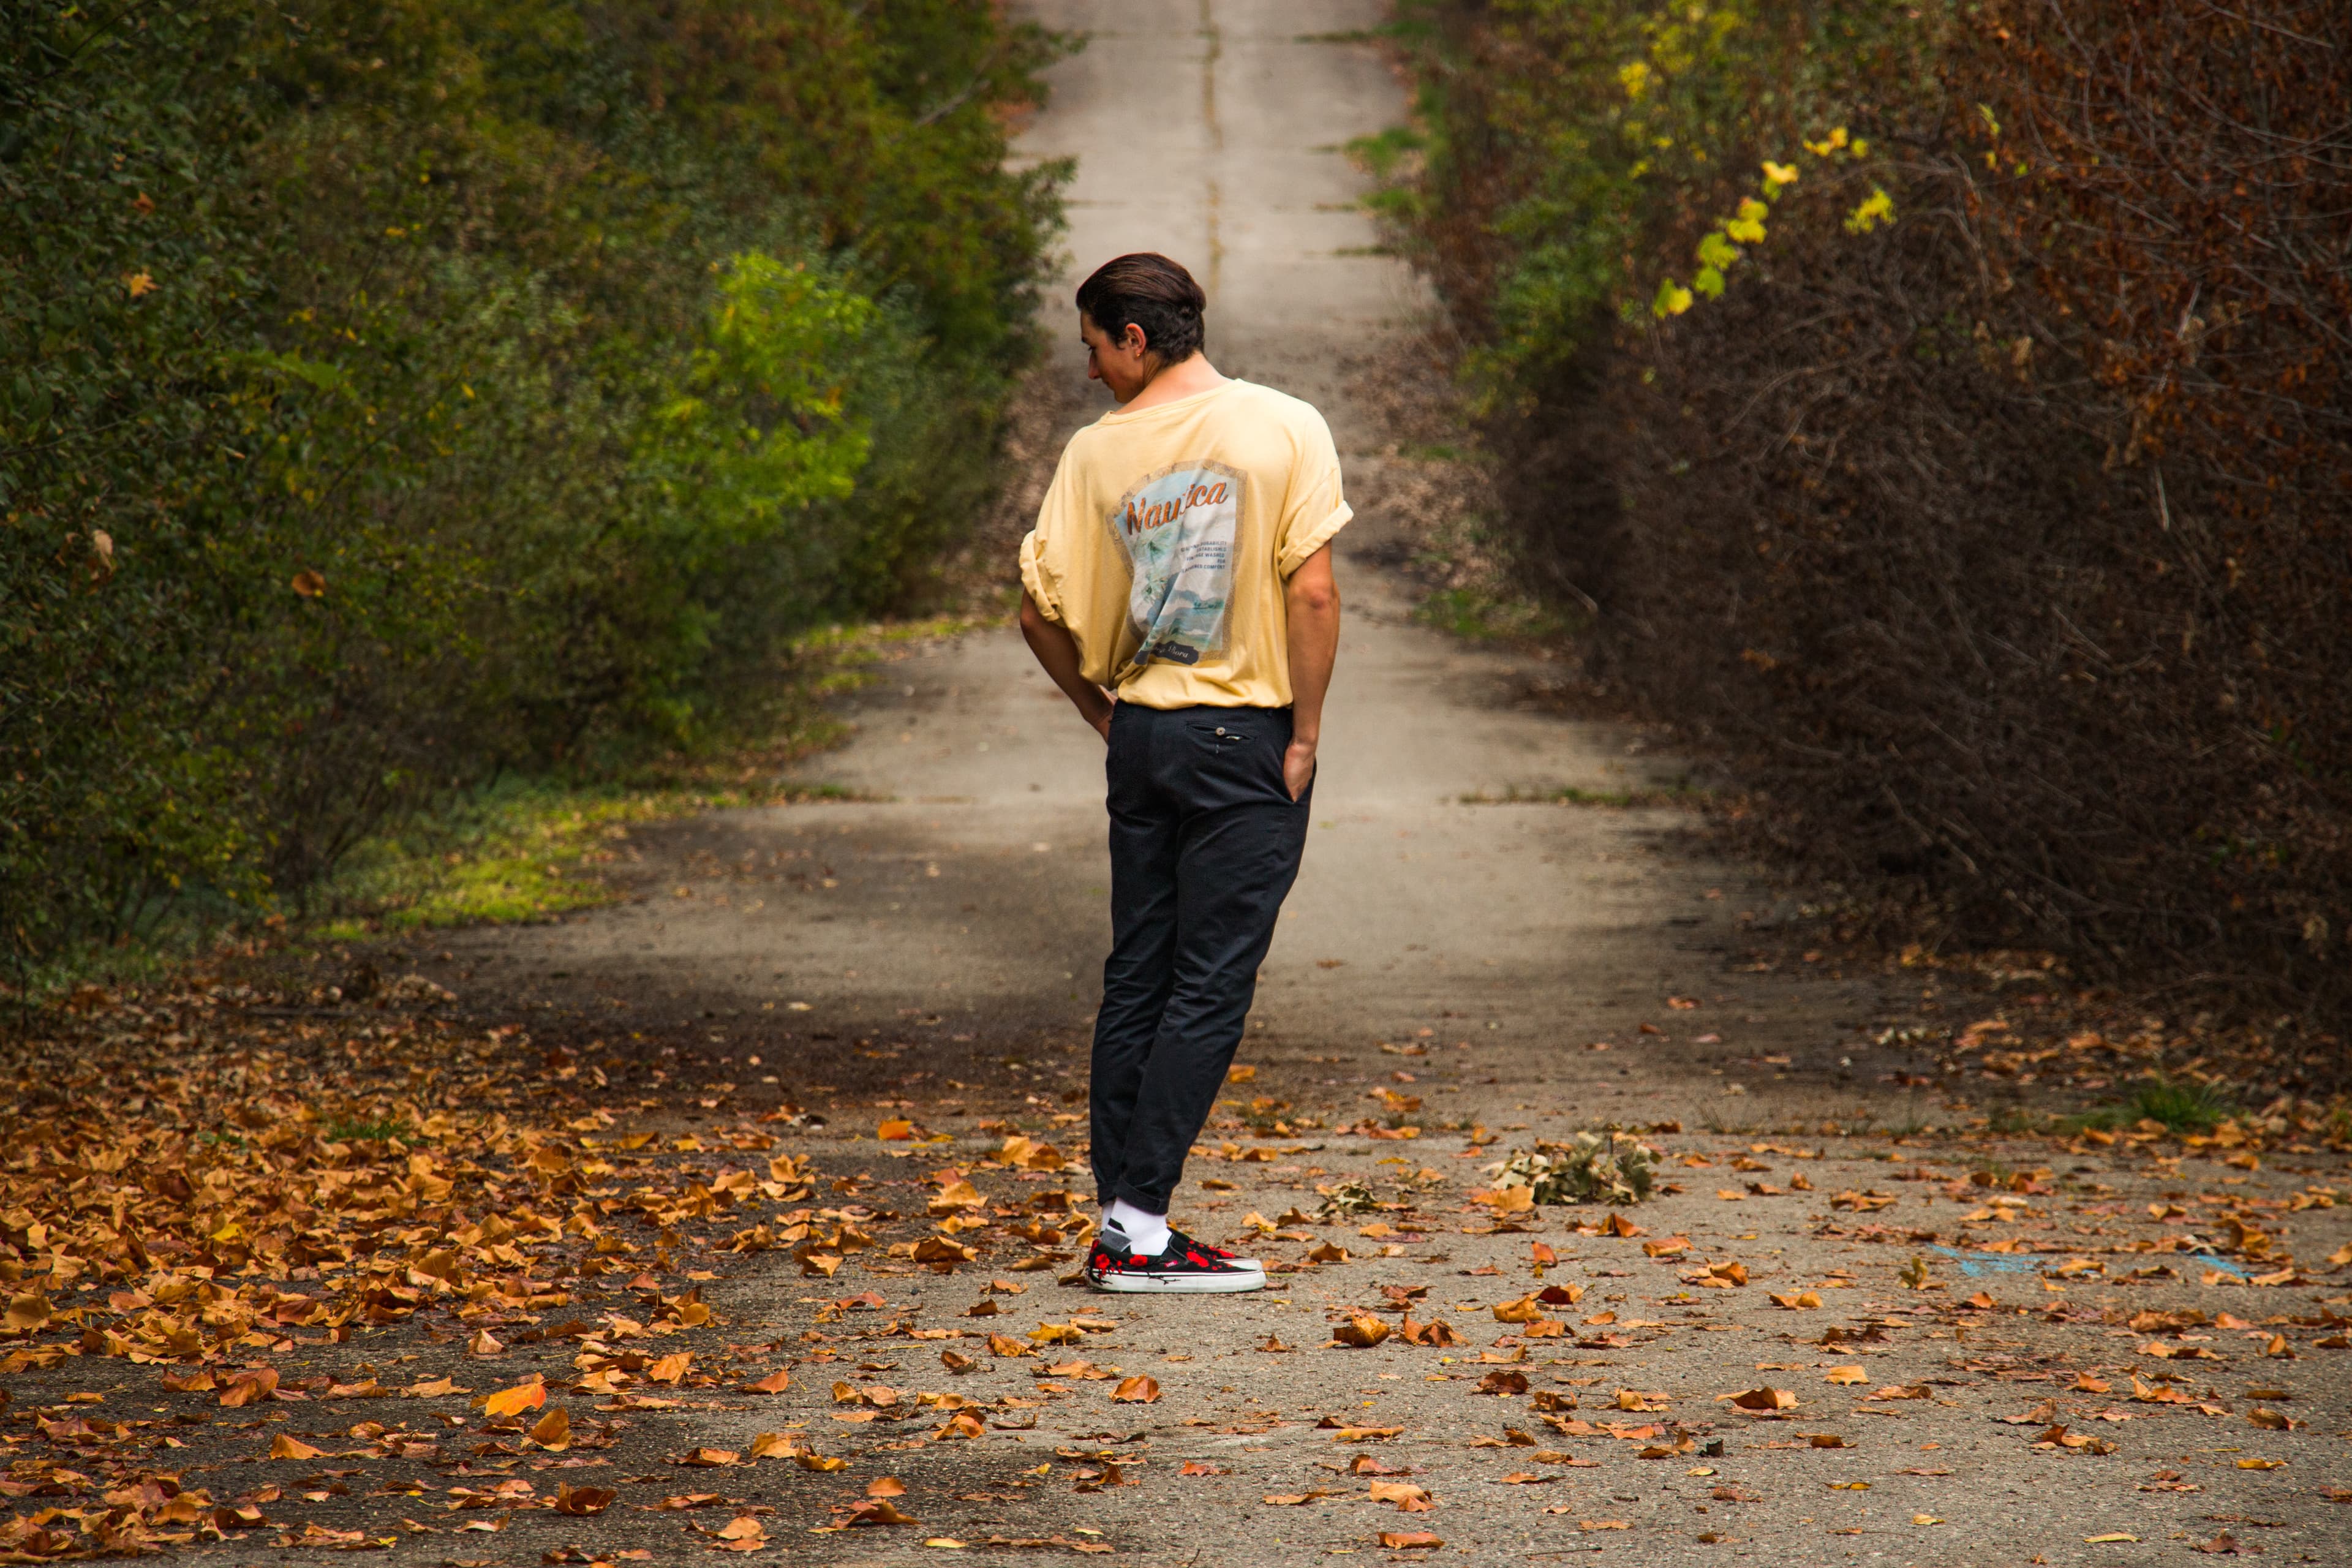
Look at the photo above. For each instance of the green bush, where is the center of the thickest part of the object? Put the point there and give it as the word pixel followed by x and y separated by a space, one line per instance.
pixel 399 393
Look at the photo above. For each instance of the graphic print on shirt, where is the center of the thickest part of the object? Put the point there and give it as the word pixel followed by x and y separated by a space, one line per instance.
pixel 1178 527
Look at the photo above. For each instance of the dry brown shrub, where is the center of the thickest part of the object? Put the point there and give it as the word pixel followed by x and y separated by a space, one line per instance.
pixel 2008 546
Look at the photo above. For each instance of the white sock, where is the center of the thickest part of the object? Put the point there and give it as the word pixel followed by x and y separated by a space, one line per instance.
pixel 1144 1233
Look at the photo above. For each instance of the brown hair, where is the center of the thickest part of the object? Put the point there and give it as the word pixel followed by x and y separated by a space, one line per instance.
pixel 1154 294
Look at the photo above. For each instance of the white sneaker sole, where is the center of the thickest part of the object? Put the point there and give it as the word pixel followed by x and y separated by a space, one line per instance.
pixel 1180 1284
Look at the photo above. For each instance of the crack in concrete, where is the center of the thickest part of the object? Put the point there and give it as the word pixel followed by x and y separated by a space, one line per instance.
pixel 1216 46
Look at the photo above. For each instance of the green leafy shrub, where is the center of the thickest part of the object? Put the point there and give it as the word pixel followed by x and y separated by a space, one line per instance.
pixel 399 395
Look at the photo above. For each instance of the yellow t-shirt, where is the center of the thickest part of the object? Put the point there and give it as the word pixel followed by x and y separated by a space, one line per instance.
pixel 1166 538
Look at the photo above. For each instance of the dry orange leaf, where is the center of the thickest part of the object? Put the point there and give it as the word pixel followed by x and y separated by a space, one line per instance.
pixel 1847 1375
pixel 1764 1399
pixel 282 1447
pixel 1361 1330
pixel 249 1387
pixel 581 1501
pixel 775 1383
pixel 516 1400
pixel 552 1430
pixel 1410 1541
pixel 1136 1391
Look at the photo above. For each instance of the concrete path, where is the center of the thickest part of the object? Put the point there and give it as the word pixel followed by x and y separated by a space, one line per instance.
pixel 962 903
pixel 930 949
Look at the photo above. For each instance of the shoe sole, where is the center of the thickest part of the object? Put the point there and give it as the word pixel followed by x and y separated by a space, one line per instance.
pixel 1179 1284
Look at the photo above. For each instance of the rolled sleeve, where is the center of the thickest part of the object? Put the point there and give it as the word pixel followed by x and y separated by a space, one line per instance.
pixel 1037 578
pixel 1304 541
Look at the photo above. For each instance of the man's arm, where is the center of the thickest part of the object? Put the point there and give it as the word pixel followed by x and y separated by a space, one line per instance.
pixel 1057 652
pixel 1314 604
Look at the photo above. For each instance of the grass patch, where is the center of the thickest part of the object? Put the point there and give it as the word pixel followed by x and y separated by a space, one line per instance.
pixel 1611 799
pixel 1383 154
pixel 2176 1107
pixel 1482 617
pixel 367 1129
pixel 526 849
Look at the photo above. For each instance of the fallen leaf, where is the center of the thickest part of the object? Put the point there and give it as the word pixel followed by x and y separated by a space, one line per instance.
pixel 1764 1399
pixel 1361 1330
pixel 1847 1375
pixel 516 1400
pixel 1410 1541
pixel 775 1383
pixel 581 1501
pixel 1136 1391
pixel 249 1387
pixel 282 1447
pixel 1409 1498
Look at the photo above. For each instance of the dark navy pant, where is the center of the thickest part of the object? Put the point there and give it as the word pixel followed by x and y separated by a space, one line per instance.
pixel 1204 844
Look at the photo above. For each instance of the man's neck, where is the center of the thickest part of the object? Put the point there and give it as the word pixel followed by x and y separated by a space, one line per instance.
pixel 1195 375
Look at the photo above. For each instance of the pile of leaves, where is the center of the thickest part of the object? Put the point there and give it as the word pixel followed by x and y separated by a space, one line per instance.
pixel 1591 1167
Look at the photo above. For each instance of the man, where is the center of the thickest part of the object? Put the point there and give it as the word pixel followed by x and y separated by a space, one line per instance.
pixel 1182 560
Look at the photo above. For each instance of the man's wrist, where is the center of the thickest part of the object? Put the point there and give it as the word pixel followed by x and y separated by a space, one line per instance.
pixel 1306 738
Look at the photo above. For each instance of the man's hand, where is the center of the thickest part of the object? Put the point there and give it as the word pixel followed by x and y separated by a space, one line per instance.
pixel 1057 652
pixel 1299 767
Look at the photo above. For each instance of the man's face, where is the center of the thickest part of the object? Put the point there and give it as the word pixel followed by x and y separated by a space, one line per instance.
pixel 1123 364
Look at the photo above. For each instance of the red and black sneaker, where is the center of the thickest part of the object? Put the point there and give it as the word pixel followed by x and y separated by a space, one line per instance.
pixel 1186 1268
